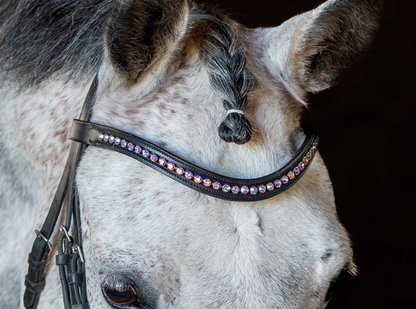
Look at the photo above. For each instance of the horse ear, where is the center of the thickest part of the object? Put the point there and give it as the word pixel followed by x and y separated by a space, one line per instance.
pixel 141 32
pixel 311 50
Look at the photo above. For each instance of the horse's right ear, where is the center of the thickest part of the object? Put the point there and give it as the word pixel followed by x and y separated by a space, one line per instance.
pixel 142 32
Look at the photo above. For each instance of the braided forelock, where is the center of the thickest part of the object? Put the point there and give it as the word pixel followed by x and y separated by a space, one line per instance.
pixel 230 77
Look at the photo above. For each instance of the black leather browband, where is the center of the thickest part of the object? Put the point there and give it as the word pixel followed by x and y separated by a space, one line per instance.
pixel 106 137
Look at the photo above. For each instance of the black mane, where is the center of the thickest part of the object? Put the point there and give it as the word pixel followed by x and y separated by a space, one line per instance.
pixel 43 37
pixel 40 38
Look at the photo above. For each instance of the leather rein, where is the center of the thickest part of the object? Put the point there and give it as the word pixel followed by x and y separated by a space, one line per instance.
pixel 70 258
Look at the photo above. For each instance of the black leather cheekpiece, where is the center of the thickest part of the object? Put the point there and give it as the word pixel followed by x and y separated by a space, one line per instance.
pixel 193 176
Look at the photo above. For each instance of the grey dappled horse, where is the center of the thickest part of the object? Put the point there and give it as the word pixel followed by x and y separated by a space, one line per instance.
pixel 169 71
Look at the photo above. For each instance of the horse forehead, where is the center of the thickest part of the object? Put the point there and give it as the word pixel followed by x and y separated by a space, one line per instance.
pixel 183 243
pixel 137 206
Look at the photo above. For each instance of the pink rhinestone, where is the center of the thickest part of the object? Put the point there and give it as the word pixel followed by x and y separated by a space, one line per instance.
pixel 198 178
pixel 226 188
pixel 154 158
pixel 270 186
pixel 189 175
pixel 278 183
pixel 235 190
pixel 180 171
pixel 130 146
pixel 285 179
pixel 216 185
pixel 207 182
pixel 262 189
pixel 123 143
pixel 171 166
pixel 254 190
pixel 162 161
pixel 244 189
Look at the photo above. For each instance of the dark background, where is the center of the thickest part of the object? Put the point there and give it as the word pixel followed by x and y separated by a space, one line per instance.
pixel 367 130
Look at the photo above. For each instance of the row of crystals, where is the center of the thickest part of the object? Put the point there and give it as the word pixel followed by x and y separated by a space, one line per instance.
pixel 208 182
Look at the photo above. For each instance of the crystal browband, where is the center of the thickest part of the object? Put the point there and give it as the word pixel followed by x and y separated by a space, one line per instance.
pixel 193 176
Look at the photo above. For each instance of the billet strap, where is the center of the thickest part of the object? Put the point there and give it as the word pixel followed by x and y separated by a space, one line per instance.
pixel 193 176
pixel 41 247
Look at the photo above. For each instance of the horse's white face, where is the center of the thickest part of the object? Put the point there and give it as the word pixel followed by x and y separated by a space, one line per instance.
pixel 168 68
pixel 180 249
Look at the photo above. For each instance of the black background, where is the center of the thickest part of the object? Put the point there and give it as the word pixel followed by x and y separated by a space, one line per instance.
pixel 367 130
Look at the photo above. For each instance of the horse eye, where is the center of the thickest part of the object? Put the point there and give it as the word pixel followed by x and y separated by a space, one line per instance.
pixel 120 295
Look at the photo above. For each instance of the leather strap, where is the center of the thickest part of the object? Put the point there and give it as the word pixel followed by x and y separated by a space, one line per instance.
pixel 41 247
pixel 89 133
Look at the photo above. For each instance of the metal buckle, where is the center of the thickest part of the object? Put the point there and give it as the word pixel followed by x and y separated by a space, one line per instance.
pixel 39 234
pixel 76 248
pixel 63 229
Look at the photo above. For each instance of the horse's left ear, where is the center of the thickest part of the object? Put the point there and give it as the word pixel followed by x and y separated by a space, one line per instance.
pixel 310 51
pixel 140 33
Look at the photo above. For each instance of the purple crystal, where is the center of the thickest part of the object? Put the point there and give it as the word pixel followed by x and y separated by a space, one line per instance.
pixel 226 188
pixel 216 185
pixel 296 170
pixel 254 190
pixel 171 166
pixel 301 166
pixel 154 158
pixel 198 178
pixel 235 190
pixel 162 161
pixel 207 182
pixel 285 179
pixel 145 153
pixel 278 183
pixel 189 175
pixel 244 189
pixel 180 170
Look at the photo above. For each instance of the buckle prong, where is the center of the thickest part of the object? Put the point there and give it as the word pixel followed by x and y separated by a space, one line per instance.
pixel 76 248
pixel 63 229
pixel 39 234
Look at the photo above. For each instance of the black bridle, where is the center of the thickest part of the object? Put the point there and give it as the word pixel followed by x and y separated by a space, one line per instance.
pixel 70 257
